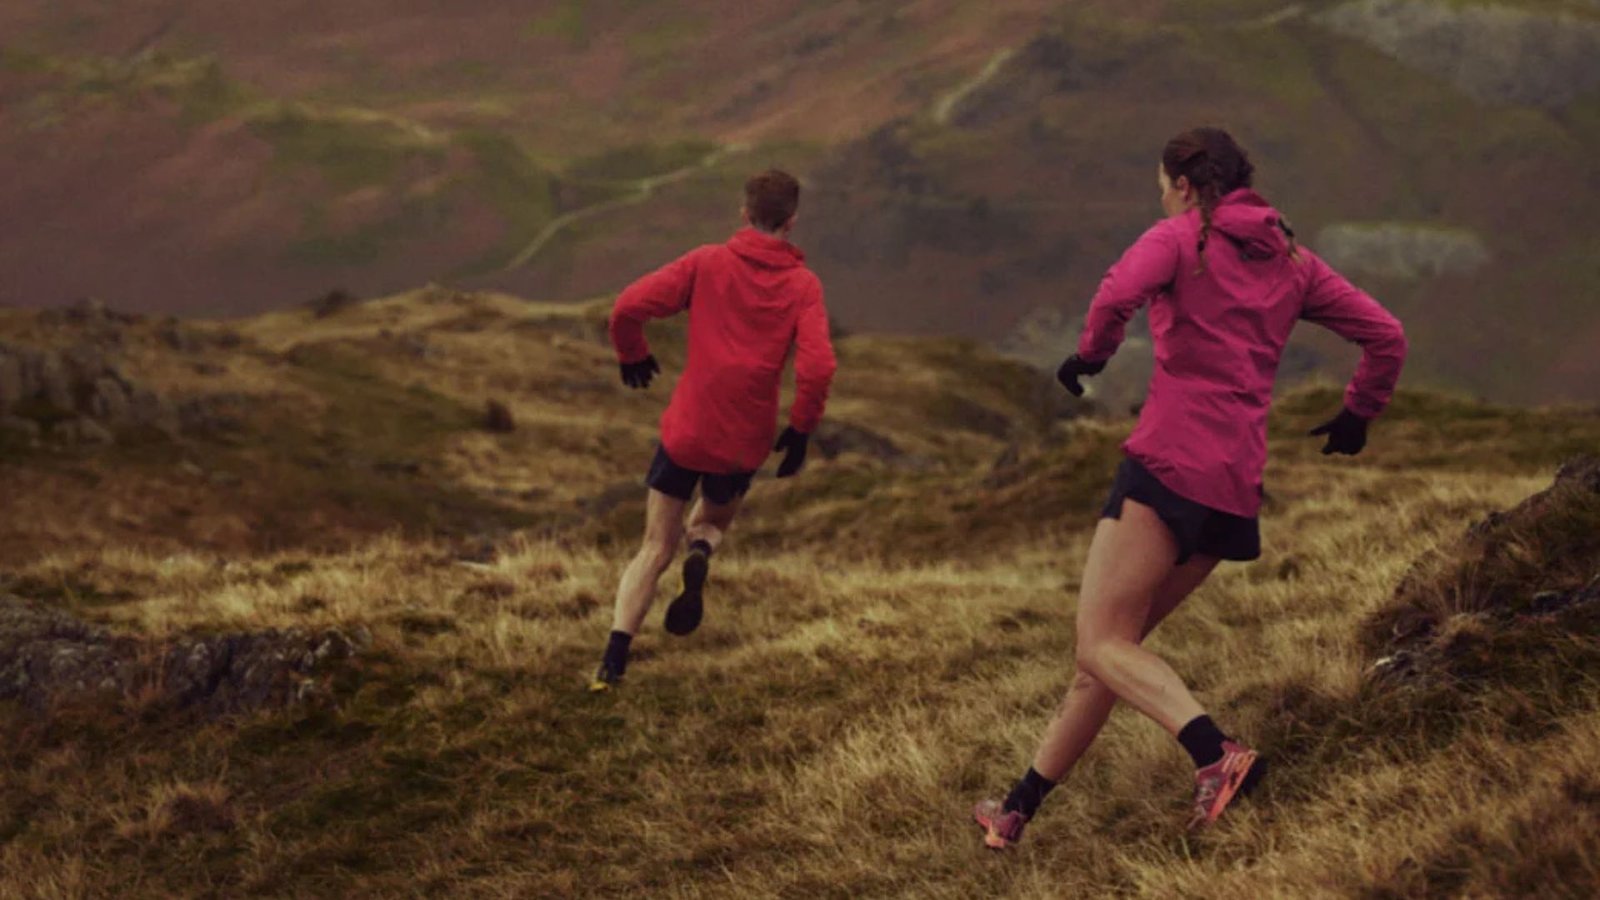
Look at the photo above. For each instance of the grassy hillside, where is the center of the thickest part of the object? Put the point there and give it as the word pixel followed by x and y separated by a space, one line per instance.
pixel 885 637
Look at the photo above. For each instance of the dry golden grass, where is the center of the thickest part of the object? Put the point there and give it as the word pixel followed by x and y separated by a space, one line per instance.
pixel 882 647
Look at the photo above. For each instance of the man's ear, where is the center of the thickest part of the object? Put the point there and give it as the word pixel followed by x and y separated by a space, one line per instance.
pixel 789 225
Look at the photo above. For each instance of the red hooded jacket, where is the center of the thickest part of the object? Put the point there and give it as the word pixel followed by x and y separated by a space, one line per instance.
pixel 750 301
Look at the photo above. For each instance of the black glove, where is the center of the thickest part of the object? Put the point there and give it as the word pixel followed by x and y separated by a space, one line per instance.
pixel 1347 433
pixel 638 374
pixel 795 442
pixel 1074 367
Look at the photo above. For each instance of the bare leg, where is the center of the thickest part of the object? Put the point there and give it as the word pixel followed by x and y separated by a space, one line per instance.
pixel 1128 561
pixel 710 521
pixel 663 530
pixel 1089 702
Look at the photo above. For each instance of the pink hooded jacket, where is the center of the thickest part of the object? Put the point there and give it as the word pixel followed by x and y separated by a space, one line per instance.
pixel 1219 334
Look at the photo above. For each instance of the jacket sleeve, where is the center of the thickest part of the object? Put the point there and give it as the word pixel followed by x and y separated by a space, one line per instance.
pixel 1147 268
pixel 664 292
pixel 814 365
pixel 1334 303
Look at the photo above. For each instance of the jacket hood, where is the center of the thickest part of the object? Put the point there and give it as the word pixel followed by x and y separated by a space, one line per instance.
pixel 1250 224
pixel 765 249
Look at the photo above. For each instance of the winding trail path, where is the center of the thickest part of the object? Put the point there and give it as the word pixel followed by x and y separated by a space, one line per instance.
pixel 642 189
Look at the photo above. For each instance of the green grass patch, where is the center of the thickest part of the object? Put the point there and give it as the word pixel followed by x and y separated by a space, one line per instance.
pixel 351 152
pixel 568 22
pixel 643 160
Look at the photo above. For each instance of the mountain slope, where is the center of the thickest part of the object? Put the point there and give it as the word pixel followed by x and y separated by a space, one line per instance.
pixel 971 170
pixel 885 635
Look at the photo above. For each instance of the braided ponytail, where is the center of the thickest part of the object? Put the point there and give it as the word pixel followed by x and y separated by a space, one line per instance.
pixel 1288 233
pixel 1215 166
pixel 1210 199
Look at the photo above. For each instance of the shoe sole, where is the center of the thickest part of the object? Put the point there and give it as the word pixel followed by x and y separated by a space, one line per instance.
pixel 684 615
pixel 1243 775
pixel 992 839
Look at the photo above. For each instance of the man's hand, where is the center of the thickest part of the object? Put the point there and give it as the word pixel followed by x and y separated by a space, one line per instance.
pixel 795 442
pixel 1075 367
pixel 1347 433
pixel 638 374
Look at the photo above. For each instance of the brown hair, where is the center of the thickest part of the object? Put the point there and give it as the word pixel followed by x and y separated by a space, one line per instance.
pixel 771 198
pixel 1216 166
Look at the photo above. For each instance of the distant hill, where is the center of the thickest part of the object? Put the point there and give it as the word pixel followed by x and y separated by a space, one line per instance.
pixel 972 169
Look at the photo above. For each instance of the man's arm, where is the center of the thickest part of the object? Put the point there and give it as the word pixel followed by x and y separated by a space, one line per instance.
pixel 814 365
pixel 664 292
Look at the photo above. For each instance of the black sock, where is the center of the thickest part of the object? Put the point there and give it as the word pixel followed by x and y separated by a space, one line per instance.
pixel 1028 794
pixel 616 658
pixel 1203 739
pixel 702 545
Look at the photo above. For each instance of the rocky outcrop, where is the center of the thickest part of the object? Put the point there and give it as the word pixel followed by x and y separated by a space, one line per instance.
pixel 1521 585
pixel 73 388
pixel 77 392
pixel 1400 250
pixel 48 657
pixel 1494 53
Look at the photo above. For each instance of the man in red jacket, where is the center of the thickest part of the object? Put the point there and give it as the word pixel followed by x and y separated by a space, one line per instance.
pixel 750 301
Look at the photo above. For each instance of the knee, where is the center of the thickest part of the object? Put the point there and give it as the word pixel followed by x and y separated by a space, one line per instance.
pixel 1085 682
pixel 1092 659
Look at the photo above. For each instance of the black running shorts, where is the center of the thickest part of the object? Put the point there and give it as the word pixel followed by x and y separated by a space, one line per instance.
pixel 674 480
pixel 1199 529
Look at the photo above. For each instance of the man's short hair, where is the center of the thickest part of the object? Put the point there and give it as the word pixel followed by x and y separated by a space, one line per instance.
pixel 771 198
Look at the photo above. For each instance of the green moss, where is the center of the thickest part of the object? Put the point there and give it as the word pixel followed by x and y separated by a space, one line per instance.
pixel 20 61
pixel 643 160
pixel 567 22
pixel 351 152
pixel 665 44
pixel 521 190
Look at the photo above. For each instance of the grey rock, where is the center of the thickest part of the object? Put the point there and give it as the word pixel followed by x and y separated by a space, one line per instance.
pixel 109 401
pixel 54 384
pixel 47 656
pixel 1402 251
pixel 88 431
pixel 1491 52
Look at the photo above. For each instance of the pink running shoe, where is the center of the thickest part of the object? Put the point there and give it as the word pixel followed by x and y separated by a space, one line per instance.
pixel 1001 829
pixel 1216 785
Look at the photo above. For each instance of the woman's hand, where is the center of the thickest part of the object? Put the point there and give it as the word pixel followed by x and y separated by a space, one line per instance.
pixel 1347 433
pixel 1074 368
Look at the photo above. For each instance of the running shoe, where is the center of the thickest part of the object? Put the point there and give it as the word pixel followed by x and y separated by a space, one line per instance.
pixel 1215 786
pixel 1001 829
pixel 604 680
pixel 683 616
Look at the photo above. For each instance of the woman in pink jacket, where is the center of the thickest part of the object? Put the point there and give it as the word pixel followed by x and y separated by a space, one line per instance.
pixel 1226 284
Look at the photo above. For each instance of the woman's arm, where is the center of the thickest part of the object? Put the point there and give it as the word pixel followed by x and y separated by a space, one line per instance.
pixel 1147 268
pixel 1334 303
